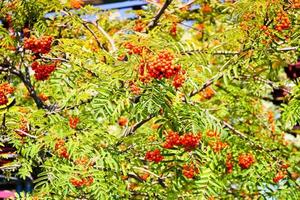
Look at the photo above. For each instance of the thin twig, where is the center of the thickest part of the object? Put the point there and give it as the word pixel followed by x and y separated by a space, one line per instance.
pixel 110 40
pixel 145 170
pixel 10 167
pixel 268 82
pixel 94 34
pixel 155 20
pixel 59 59
pixel 288 49
pixel 130 130
pixel 252 143
pixel 186 4
pixel 210 81
pixel 6 67
pixel 27 134
pixel 32 91
pixel 206 84
pixel 191 52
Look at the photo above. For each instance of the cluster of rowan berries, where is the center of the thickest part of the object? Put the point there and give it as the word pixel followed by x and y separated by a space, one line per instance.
pixel 43 97
pixel 189 141
pixel 172 140
pixel 296 4
pixel 217 146
pixel 82 160
pixel 73 121
pixel 3 99
pixel 189 171
pixel 133 49
pixel 280 175
pixel 134 88
pixel 229 164
pixel 42 71
pixel 160 67
pixel 266 30
pixel 283 21
pixel 207 93
pixel 173 30
pixel 211 133
pixel 23 128
pixel 206 8
pixel 80 182
pixel 178 80
pixel 122 121
pixel 76 4
pixel 246 160
pixel 154 156
pixel 5 89
pixel 38 45
pixel 61 149
pixel 139 26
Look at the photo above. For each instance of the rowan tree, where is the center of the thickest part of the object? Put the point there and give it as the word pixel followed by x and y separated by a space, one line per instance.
pixel 152 107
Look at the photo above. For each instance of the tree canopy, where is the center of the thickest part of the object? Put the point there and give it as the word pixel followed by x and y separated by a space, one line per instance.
pixel 196 100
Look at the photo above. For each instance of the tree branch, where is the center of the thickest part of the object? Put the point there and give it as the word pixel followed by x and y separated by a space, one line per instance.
pixel 110 40
pixel 31 90
pixel 245 137
pixel 155 20
pixel 6 67
pixel 94 35
pixel 27 134
pixel 206 84
pixel 130 130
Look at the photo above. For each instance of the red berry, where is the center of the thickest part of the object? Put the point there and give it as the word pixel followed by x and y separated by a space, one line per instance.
pixel 229 164
pixel 3 99
pixel 6 88
pixel 246 160
pixel 280 175
pixel 42 71
pixel 189 141
pixel 154 156
pixel 59 143
pixel 218 146
pixel 173 30
pixel 76 4
pixel 122 121
pixel 189 171
pixel 41 45
pixel 172 139
pixel 73 121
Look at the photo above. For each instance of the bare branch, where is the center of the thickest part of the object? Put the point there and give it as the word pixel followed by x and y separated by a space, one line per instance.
pixel 130 130
pixel 27 134
pixel 94 35
pixel 110 40
pixel 251 142
pixel 288 49
pixel 25 78
pixel 155 20
pixel 206 84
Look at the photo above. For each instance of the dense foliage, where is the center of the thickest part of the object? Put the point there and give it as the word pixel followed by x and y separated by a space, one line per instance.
pixel 152 107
